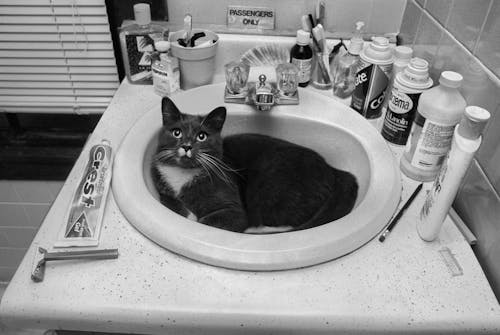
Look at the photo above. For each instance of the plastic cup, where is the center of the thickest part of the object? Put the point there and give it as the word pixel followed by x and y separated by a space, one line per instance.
pixel 196 64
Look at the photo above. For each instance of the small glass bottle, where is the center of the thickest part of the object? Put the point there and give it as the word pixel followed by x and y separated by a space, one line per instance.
pixel 301 55
pixel 166 75
pixel 137 44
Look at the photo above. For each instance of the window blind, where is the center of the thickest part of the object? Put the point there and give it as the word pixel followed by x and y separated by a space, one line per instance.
pixel 56 56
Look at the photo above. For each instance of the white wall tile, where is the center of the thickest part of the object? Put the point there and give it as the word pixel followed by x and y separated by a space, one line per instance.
pixel 16 237
pixel 36 213
pixel 6 273
pixel 33 191
pixel 13 215
pixel 7 193
pixel 11 257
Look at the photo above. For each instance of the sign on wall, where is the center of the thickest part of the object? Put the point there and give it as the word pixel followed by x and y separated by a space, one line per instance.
pixel 242 17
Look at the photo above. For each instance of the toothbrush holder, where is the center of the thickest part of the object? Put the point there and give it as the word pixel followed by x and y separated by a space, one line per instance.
pixel 196 64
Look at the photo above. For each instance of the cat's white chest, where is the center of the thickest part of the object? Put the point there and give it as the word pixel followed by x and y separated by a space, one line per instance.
pixel 177 177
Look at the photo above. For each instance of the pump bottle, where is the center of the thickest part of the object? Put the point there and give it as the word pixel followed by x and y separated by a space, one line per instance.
pixel 137 44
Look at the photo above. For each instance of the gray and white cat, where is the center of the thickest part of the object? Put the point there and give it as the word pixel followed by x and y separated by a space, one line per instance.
pixel 189 173
pixel 244 181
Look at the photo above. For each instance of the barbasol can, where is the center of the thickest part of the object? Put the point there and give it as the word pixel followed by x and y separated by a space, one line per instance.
pixel 372 78
pixel 403 101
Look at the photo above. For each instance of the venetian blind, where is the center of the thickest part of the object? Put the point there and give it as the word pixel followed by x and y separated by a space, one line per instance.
pixel 56 56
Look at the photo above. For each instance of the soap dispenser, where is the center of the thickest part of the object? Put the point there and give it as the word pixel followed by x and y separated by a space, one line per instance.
pixel 344 67
pixel 137 45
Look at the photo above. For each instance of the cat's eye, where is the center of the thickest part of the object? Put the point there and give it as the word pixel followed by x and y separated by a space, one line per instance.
pixel 177 133
pixel 201 137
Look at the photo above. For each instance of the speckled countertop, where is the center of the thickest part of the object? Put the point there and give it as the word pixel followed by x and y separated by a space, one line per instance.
pixel 401 285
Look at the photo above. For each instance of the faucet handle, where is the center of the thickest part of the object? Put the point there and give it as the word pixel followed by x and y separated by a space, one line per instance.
pixel 264 96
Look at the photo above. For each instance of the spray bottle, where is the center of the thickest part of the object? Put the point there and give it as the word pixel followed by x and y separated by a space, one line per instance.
pixel 466 141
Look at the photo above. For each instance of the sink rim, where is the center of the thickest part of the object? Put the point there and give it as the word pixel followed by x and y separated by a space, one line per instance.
pixel 257 252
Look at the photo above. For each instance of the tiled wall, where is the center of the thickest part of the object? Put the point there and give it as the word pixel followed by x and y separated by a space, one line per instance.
pixel 380 16
pixel 464 36
pixel 23 205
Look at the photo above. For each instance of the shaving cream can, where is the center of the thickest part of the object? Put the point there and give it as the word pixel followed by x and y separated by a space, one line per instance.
pixel 372 78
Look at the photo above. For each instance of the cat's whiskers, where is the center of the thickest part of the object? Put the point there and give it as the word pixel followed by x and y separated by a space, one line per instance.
pixel 164 155
pixel 216 169
pixel 221 163
pixel 202 164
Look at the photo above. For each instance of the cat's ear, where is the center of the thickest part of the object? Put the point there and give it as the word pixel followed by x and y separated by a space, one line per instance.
pixel 215 119
pixel 169 111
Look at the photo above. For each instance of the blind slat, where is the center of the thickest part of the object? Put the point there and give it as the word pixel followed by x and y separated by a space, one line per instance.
pixel 58 84
pixel 30 100
pixel 49 11
pixel 56 69
pixel 56 92
pixel 33 29
pixel 60 77
pixel 58 62
pixel 66 109
pixel 58 54
pixel 54 37
pixel 30 3
pixel 61 20
pixel 56 46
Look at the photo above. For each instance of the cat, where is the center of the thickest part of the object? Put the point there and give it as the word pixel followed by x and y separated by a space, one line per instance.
pixel 245 181
pixel 285 184
pixel 188 171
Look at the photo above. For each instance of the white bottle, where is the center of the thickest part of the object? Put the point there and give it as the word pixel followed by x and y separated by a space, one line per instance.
pixel 466 141
pixel 166 75
pixel 439 110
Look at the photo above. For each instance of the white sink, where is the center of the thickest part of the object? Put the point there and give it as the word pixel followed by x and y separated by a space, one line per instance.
pixel 342 136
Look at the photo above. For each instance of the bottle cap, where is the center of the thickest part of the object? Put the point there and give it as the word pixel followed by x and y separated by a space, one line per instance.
pixel 142 14
pixel 162 46
pixel 416 74
pixel 357 42
pixel 378 51
pixel 473 122
pixel 402 52
pixel 303 37
pixel 450 79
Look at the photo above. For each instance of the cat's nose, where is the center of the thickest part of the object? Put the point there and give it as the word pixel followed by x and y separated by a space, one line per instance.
pixel 186 147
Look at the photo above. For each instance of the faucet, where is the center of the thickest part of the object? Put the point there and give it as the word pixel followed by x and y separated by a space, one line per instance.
pixel 264 95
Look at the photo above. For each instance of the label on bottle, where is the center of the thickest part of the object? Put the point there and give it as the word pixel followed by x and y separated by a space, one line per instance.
pixel 166 77
pixel 370 88
pixel 139 50
pixel 304 66
pixel 433 141
pixel 399 117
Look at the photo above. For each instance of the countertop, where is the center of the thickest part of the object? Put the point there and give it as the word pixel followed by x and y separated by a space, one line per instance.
pixel 401 285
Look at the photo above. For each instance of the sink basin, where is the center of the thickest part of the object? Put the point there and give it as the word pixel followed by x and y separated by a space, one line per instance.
pixel 343 137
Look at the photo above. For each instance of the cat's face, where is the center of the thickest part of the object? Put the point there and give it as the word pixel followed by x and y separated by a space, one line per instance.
pixel 187 140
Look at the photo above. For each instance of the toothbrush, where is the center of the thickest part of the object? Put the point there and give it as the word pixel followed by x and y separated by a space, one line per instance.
pixel 188 28
pixel 320 12
pixel 319 38
pixel 319 34
pixel 306 23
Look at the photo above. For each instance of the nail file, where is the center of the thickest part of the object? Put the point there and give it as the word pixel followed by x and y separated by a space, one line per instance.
pixel 451 262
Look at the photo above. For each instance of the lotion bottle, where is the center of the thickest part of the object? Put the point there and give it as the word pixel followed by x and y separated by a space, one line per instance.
pixel 466 141
pixel 439 110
